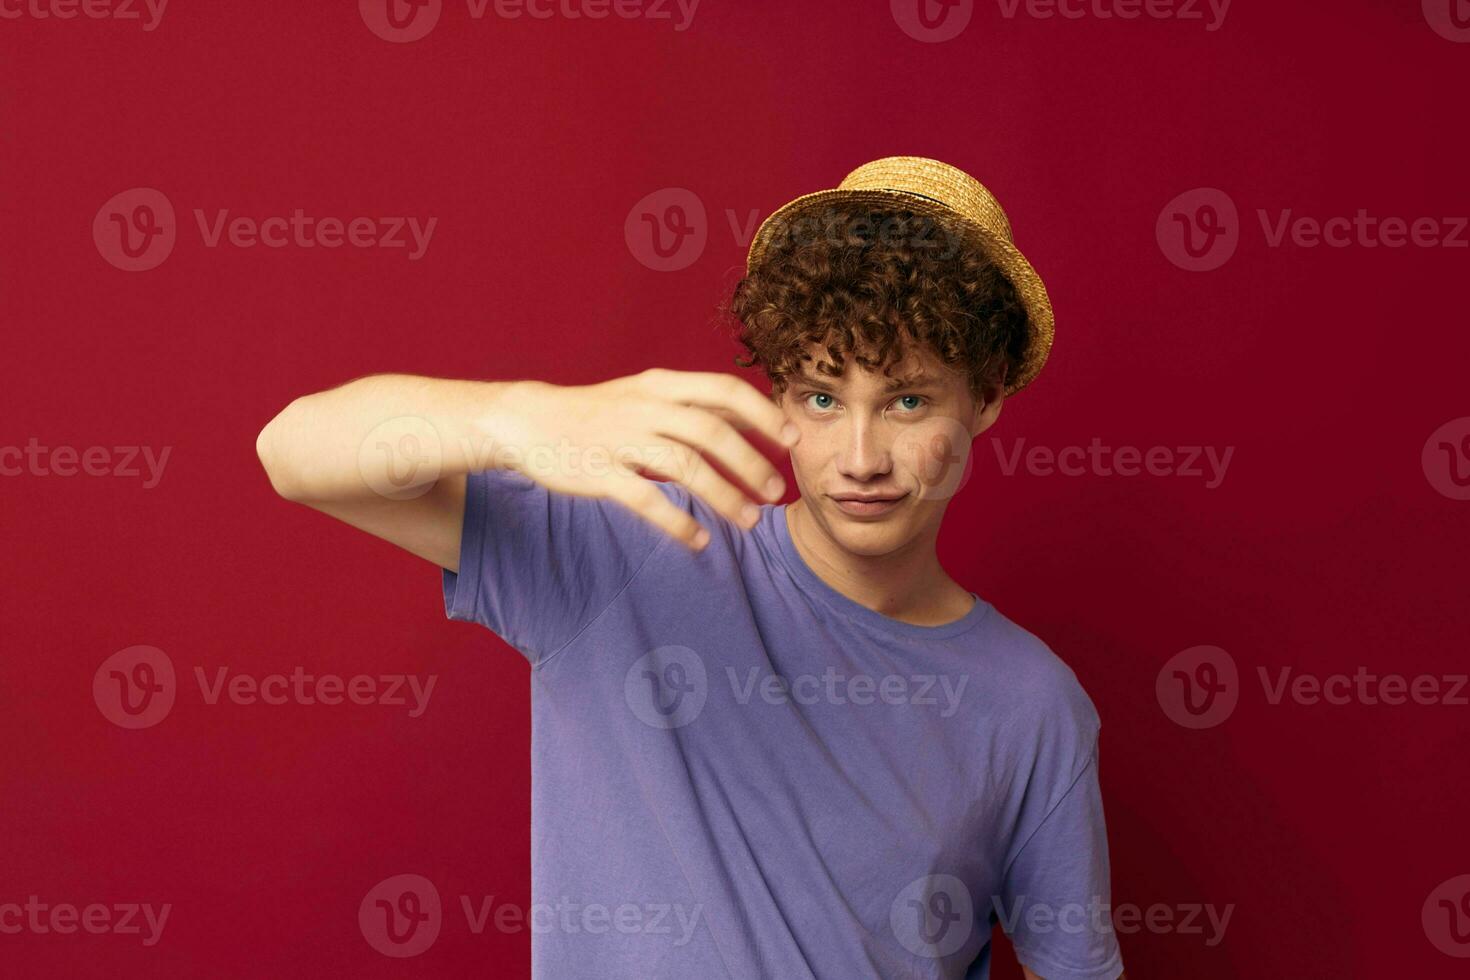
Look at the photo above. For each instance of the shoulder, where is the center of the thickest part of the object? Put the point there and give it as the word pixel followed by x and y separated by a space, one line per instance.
pixel 1044 701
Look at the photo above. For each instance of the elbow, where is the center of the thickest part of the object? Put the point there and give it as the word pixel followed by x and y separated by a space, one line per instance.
pixel 267 451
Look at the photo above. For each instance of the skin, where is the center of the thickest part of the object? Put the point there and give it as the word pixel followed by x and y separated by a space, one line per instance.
pixel 858 435
pixel 389 454
pixel 861 435
pixel 846 434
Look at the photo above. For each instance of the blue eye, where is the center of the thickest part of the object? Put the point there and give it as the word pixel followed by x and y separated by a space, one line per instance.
pixel 911 403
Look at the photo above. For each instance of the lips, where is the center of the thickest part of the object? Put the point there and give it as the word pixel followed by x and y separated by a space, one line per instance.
pixel 866 506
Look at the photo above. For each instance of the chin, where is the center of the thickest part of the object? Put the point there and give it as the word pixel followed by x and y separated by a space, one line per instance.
pixel 870 538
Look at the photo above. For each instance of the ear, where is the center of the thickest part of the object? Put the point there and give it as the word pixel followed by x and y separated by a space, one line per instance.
pixel 987 407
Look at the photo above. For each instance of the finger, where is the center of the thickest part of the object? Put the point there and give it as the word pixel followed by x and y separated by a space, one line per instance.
pixel 647 501
pixel 725 393
pixel 718 439
pixel 684 465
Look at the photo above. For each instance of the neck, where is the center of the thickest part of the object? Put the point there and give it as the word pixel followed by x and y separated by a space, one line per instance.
pixel 907 584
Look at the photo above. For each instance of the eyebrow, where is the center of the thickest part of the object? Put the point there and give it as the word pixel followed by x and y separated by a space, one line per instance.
pixel 921 380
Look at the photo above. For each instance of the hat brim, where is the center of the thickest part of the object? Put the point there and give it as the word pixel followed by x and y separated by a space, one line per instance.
pixel 1008 258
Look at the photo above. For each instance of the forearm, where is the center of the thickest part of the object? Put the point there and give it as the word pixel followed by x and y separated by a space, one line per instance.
pixel 385 433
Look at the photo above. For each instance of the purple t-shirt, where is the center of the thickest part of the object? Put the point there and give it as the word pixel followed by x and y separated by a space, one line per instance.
pixel 739 773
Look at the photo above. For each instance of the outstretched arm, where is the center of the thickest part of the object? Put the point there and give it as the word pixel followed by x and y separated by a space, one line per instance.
pixel 389 453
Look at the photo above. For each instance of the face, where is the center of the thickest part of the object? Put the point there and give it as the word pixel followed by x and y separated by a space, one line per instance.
pixel 881 456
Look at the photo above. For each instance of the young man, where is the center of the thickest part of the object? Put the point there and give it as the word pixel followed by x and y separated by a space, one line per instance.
pixel 767 741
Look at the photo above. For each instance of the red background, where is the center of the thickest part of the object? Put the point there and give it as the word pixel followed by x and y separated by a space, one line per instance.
pixel 1325 548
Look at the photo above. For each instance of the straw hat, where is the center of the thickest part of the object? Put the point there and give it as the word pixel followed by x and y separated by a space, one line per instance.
pixel 936 190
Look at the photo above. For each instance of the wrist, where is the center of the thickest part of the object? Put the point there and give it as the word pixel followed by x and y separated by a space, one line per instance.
pixel 501 433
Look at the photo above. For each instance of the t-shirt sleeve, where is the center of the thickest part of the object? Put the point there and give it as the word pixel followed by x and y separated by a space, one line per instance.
pixel 1056 902
pixel 537 567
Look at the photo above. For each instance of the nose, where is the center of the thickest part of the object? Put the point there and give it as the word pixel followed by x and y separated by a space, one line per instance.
pixel 865 453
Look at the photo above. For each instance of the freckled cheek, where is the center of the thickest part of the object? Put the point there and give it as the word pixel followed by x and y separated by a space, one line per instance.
pixel 814 458
pixel 809 455
pixel 935 453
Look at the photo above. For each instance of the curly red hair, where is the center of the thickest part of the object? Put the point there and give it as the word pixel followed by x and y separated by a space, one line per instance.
pixel 869 283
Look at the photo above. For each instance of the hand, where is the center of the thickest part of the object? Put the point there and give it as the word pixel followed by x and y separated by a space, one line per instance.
pixel 604 440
